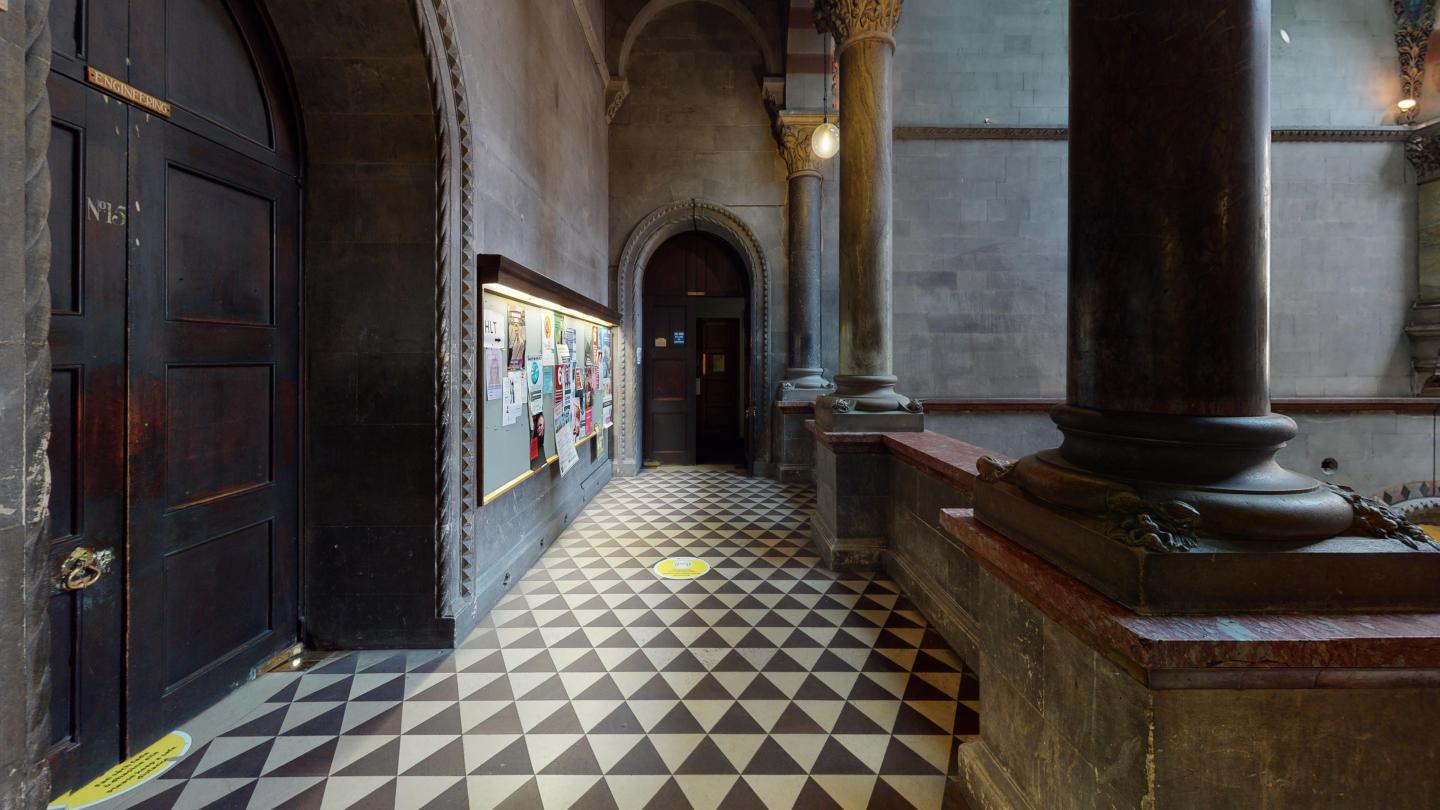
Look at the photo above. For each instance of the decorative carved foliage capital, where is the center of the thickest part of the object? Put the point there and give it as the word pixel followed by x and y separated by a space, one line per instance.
pixel 1422 149
pixel 848 20
pixel 795 149
pixel 1414 20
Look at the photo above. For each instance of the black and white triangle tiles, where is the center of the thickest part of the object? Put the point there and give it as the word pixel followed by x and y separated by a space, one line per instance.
pixel 766 683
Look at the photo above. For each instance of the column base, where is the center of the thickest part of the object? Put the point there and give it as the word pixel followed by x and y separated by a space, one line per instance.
pixel 803 385
pixel 1083 698
pixel 868 404
pixel 1167 513
pixel 869 395
pixel 1124 557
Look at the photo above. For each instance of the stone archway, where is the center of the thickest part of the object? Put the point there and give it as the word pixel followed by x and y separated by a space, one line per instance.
pixel 661 224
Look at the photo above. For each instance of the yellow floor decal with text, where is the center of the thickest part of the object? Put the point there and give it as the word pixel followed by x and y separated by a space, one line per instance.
pixel 681 568
pixel 128 775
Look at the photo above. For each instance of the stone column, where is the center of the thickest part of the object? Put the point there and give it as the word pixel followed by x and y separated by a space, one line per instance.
pixel 864 31
pixel 1169 442
pixel 804 373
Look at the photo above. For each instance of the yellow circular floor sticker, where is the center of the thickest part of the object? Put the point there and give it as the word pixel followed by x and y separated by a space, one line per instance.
pixel 681 568
pixel 128 775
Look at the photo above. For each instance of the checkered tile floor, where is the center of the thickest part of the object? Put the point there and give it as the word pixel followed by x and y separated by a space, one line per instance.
pixel 768 682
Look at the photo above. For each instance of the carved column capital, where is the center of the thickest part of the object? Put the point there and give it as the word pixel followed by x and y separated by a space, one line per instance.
pixel 1422 149
pixel 850 21
pixel 1414 20
pixel 795 149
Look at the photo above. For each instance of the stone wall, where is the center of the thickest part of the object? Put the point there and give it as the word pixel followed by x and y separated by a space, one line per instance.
pixel 24 409
pixel 980 226
pixel 537 108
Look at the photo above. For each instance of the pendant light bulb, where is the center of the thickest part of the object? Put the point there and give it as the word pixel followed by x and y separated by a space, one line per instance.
pixel 825 141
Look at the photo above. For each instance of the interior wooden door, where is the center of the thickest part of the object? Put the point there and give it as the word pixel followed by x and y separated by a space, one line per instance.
pixel 89 212
pixel 175 395
pixel 670 381
pixel 214 384
pixel 719 404
pixel 214 363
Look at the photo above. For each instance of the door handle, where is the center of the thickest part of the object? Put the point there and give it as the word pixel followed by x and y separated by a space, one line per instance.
pixel 84 568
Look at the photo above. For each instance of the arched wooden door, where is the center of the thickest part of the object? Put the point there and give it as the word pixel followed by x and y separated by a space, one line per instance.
pixel 175 346
pixel 695 352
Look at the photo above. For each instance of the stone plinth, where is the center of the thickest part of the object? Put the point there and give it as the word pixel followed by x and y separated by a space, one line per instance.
pixel 852 492
pixel 1088 704
pixel 794 446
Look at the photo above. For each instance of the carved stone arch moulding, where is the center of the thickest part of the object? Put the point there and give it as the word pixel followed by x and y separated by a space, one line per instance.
pixel 457 303
pixel 672 219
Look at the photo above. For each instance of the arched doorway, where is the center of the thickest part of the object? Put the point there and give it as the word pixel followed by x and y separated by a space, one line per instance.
pixel 189 225
pixel 696 300
pixel 632 352
pixel 175 352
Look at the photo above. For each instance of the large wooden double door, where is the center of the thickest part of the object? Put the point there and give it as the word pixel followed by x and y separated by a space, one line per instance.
pixel 175 349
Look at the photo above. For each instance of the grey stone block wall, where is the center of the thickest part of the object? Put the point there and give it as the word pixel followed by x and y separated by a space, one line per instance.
pixel 980 226
pixel 962 61
pixel 537 106
pixel 980 264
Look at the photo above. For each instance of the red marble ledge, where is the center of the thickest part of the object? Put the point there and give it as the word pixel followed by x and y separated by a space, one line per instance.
pixel 1240 651
pixel 951 460
pixel 795 406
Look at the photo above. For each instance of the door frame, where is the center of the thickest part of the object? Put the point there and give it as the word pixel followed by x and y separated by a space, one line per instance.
pixel 652 232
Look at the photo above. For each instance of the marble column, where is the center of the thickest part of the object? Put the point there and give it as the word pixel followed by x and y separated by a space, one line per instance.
pixel 1169 441
pixel 804 372
pixel 865 384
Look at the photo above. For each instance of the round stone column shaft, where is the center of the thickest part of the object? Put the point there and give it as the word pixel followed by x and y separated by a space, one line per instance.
pixel 805 371
pixel 1169 206
pixel 864 30
pixel 1169 254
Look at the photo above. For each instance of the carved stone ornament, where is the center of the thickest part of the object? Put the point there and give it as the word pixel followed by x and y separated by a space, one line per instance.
pixel 1422 149
pixel 850 20
pixel 616 91
pixel 1375 519
pixel 796 150
pixel 1167 526
pixel 1414 20
pixel 915 406
pixel 993 470
pixel 843 406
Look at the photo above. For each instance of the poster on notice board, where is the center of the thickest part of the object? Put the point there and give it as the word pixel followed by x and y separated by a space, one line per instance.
pixel 494 376
pixel 565 447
